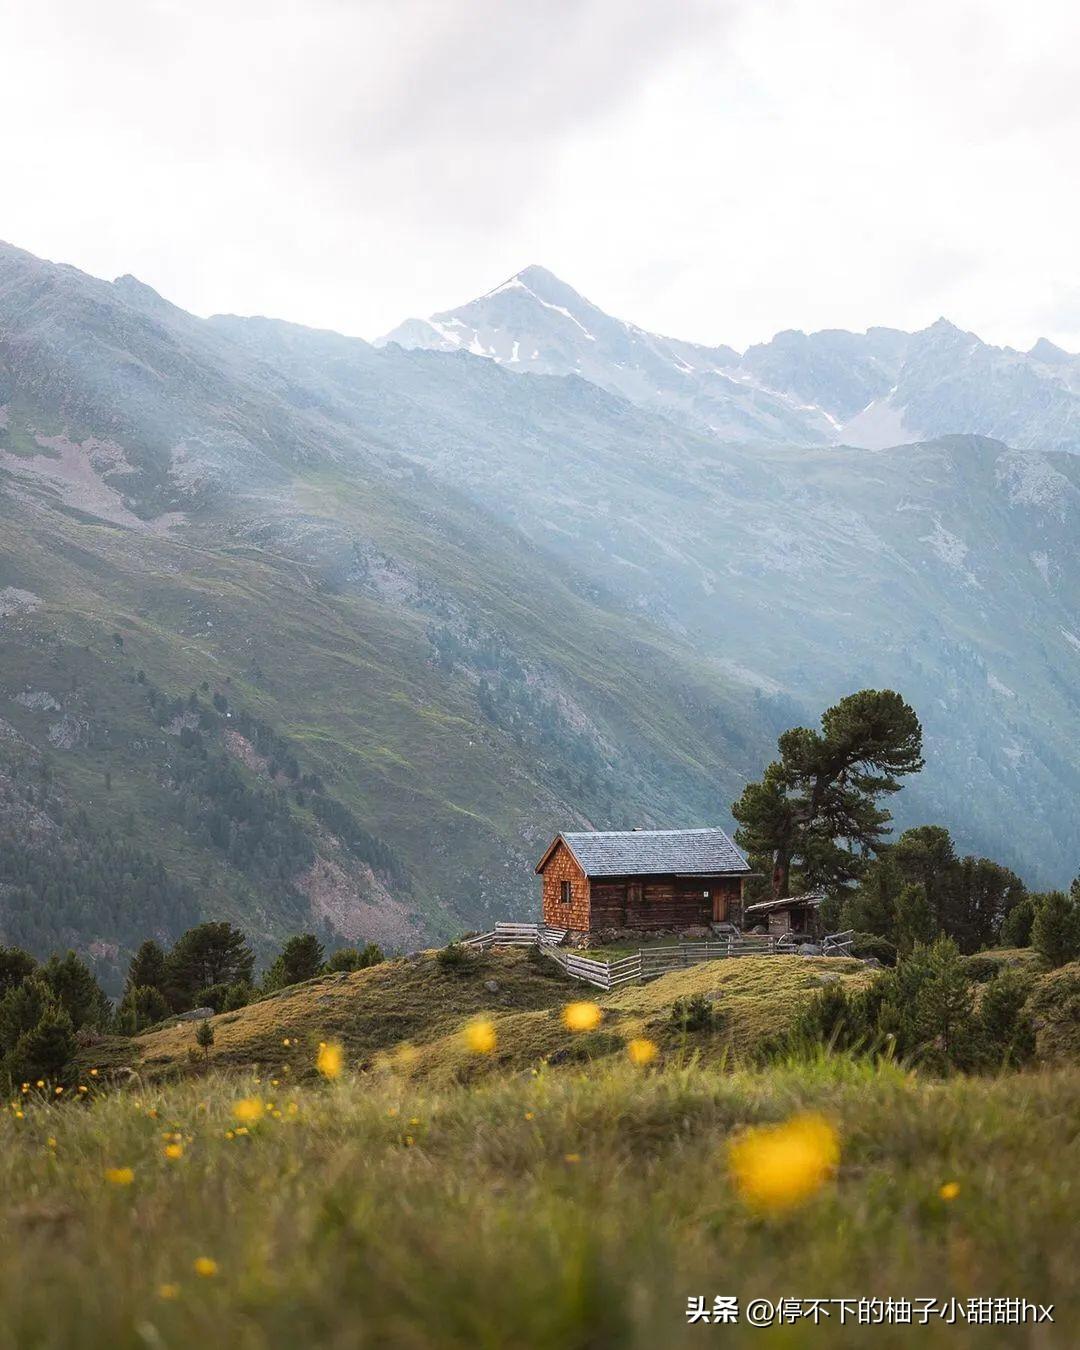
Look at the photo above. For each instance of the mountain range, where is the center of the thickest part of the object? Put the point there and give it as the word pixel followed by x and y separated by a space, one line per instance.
pixel 307 632
pixel 872 390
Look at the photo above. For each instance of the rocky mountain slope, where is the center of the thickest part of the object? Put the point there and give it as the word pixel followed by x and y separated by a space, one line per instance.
pixel 256 662
pixel 305 632
pixel 874 389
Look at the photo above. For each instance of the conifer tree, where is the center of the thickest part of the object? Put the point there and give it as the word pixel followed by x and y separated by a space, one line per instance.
pixel 1055 933
pixel 47 1050
pixel 148 969
pixel 914 921
pixel 817 806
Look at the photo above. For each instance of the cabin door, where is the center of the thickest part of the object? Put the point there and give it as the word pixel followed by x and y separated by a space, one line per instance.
pixel 719 907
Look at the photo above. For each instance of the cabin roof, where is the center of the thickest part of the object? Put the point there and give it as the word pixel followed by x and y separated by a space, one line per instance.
pixel 620 853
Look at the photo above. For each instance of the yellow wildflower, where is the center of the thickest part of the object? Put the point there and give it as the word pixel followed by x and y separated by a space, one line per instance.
pixel 248 1109
pixel 286 1041
pixel 480 1036
pixel 205 1266
pixel 58 1091
pixel 581 1016
pixel 779 1166
pixel 174 1151
pixel 529 1115
pixel 331 1059
pixel 119 1176
pixel 641 1050
pixel 83 1087
pixel 950 1190
pixel 573 1157
pixel 93 1073
pixel 40 1082
pixel 168 1291
pixel 51 1141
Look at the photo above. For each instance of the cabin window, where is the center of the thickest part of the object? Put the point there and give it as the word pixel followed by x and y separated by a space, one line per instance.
pixel 564 892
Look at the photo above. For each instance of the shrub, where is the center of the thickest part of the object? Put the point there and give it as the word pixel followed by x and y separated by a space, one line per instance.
pixel 1006 1028
pixel 353 958
pixel 225 997
pixel 696 1013
pixel 924 1009
pixel 981 967
pixel 832 1017
pixel 142 1007
pixel 869 944
pixel 456 957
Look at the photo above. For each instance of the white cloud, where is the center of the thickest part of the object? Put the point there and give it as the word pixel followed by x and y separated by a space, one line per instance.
pixel 715 171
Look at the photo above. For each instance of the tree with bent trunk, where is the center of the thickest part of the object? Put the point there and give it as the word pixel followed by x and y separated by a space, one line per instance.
pixel 817 807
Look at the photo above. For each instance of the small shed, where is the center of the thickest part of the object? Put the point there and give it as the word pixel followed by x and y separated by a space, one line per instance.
pixel 792 914
pixel 642 880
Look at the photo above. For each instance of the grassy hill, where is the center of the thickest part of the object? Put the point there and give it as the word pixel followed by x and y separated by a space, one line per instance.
pixel 556 1211
pixel 550 1194
pixel 408 1015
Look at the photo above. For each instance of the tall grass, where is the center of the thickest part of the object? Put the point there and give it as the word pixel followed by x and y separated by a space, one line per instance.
pixel 564 1210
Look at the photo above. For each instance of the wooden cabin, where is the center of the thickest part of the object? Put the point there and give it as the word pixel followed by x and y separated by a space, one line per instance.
pixel 797 914
pixel 642 880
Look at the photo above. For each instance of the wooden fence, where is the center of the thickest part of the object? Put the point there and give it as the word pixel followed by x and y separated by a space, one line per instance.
pixel 647 963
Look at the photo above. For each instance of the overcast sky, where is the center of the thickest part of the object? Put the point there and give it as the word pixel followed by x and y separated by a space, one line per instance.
pixel 710 170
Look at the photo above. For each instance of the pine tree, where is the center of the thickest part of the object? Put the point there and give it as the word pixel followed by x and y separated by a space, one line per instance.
pixel 148 968
pixel 1008 1034
pixel 914 921
pixel 77 991
pixel 47 1050
pixel 925 856
pixel 301 959
pixel 15 966
pixel 817 806
pixel 22 1008
pixel 1055 933
pixel 1018 923
pixel 141 1007
pixel 207 955
pixel 943 1005
pixel 872 909
pixel 204 1037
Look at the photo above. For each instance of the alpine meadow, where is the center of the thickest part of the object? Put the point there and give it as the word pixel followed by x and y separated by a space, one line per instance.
pixel 520 830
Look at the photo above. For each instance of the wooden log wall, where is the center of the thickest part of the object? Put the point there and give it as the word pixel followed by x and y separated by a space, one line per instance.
pixel 563 866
